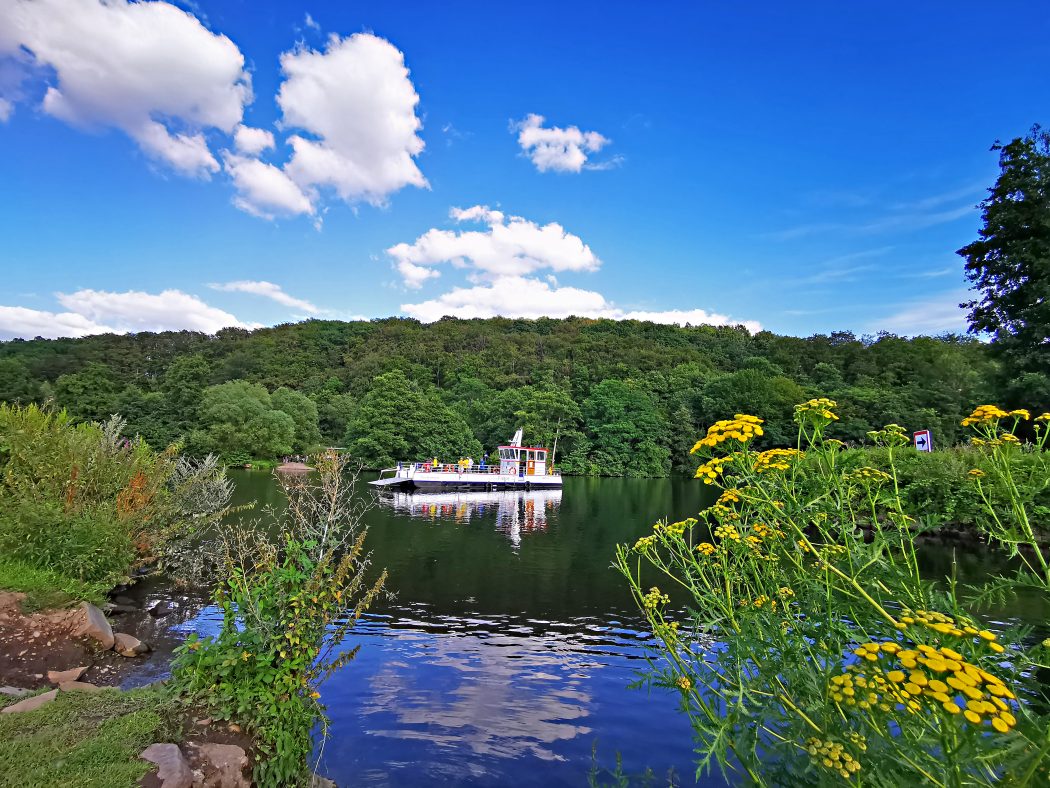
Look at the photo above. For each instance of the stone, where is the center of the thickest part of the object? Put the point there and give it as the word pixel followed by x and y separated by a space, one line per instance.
pixel 161 609
pixel 73 674
pixel 14 692
pixel 121 609
pixel 172 769
pixel 94 625
pixel 233 727
pixel 204 722
pixel 224 765
pixel 128 646
pixel 31 704
pixel 124 600
pixel 78 686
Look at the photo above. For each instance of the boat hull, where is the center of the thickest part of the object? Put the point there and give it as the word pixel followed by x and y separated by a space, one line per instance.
pixel 467 480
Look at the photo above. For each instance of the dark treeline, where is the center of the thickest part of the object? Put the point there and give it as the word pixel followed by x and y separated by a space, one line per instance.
pixel 620 398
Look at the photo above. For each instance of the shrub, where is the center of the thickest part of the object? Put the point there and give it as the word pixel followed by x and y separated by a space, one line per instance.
pixel 289 601
pixel 814 653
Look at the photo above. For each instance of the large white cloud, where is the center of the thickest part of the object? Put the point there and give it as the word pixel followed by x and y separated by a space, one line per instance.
pixel 509 247
pixel 558 149
pixel 358 105
pixel 147 68
pixel 169 310
pixel 252 141
pixel 264 190
pixel 267 290
pixel 528 297
pixel 25 323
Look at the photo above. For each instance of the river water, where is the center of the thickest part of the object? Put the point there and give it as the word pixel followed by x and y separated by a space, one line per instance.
pixel 506 655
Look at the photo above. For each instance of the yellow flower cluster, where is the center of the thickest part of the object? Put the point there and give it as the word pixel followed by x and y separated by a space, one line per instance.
pixel 729 496
pixel 832 755
pixel 727 532
pixel 950 679
pixel 1021 413
pixel 675 530
pixel 821 407
pixel 705 548
pixel 776 459
pixel 711 469
pixel 654 599
pixel 976 473
pixel 870 477
pixel 946 625
pixel 1043 417
pixel 684 683
pixel 740 428
pixel 763 531
pixel 984 414
pixel 645 543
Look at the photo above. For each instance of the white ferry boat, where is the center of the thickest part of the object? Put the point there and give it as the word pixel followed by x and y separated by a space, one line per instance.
pixel 519 467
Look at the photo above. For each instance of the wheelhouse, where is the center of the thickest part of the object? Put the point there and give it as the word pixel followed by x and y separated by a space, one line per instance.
pixel 523 460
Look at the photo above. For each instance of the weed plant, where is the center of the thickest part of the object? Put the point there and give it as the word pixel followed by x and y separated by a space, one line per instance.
pixel 834 660
pixel 289 599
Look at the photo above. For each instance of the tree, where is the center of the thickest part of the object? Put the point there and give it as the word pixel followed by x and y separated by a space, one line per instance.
pixel 238 420
pixel 398 420
pixel 627 433
pixel 1009 264
pixel 182 387
pixel 90 394
pixel 304 413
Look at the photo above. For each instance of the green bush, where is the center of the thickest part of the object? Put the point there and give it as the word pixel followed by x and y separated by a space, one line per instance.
pixel 89 545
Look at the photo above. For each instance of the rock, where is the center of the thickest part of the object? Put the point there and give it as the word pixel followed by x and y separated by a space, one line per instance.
pixel 31 704
pixel 94 625
pixel 224 765
pixel 233 727
pixel 128 646
pixel 121 609
pixel 172 769
pixel 78 686
pixel 125 600
pixel 14 692
pixel 204 722
pixel 73 674
pixel 161 609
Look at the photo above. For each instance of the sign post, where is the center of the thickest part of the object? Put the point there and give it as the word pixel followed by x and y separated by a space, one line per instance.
pixel 923 440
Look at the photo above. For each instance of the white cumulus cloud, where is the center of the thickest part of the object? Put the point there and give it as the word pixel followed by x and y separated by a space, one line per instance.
pixel 358 105
pixel 267 290
pixel 508 247
pixel 169 310
pixel 528 297
pixel 558 149
pixel 252 141
pixel 264 190
pixel 149 69
pixel 22 322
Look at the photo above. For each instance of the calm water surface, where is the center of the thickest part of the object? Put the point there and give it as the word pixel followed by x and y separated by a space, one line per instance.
pixel 505 657
pixel 506 654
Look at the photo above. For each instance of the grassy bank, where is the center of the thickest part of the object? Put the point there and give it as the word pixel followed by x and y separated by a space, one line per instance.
pixel 90 740
pixel 46 588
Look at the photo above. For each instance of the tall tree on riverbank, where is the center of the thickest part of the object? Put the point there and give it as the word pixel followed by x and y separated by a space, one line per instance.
pixel 1009 265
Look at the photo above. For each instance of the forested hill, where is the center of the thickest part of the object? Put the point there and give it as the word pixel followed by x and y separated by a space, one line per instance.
pixel 623 398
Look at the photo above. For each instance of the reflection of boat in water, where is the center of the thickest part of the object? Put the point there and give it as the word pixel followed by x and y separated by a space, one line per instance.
pixel 516 512
pixel 524 467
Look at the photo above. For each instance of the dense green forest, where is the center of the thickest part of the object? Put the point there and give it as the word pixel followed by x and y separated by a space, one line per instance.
pixel 622 398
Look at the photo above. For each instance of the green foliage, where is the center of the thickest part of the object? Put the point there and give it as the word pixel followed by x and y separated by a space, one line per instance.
pixel 489 371
pixel 399 420
pixel 813 651
pixel 44 588
pixel 1009 264
pixel 239 417
pixel 84 739
pixel 307 437
pixel 288 601
pixel 83 504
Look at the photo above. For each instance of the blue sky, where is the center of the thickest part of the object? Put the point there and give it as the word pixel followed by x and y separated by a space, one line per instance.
pixel 806 167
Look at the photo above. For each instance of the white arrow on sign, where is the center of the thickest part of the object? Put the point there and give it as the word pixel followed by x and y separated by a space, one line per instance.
pixel 923 440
